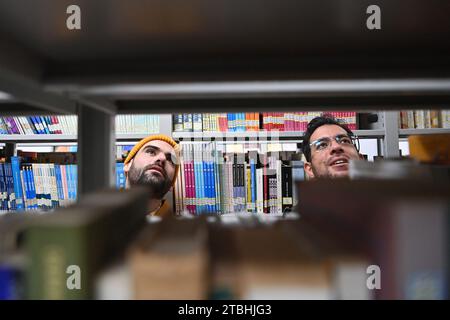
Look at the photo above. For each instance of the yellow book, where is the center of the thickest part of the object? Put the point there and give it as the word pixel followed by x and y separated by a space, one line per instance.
pixel 431 148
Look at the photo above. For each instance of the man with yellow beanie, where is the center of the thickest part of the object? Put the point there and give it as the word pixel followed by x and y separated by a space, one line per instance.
pixel 154 163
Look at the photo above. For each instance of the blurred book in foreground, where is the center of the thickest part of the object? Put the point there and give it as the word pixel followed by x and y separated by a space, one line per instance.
pixel 169 261
pixel 402 225
pixel 79 241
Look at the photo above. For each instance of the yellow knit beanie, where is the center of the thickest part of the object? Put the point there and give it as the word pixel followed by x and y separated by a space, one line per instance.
pixel 160 137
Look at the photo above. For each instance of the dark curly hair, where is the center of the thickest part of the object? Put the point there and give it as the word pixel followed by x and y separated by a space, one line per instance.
pixel 313 125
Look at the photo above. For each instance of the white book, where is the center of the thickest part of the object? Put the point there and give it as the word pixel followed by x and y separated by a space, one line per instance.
pixel 23 123
pixel 64 184
pixel 427 118
pixel 62 124
pixel 29 130
pixel 419 119
pixel 445 117
pixel 68 124
pixel 75 124
pixel 58 125
pixel 53 183
pixel 279 200
pixel 116 124
pixel 37 182
pixel 19 125
pixel 259 191
pixel 231 199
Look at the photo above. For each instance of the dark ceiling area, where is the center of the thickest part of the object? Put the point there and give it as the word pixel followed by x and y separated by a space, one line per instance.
pixel 160 41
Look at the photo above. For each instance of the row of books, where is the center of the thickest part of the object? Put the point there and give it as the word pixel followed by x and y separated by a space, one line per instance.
pixel 213 122
pixel 213 181
pixel 423 119
pixel 137 124
pixel 39 125
pixel 232 122
pixel 41 186
pixel 67 124
pixel 31 186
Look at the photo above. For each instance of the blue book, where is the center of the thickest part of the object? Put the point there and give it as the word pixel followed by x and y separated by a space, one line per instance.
pixel 44 124
pixel 32 187
pixel 229 121
pixel 18 189
pixel 198 194
pixel 120 176
pixel 26 189
pixel 59 182
pixel 2 188
pixel 240 121
pixel 36 124
pixel 202 187
pixel 117 176
pixel 197 185
pixel 44 120
pixel 51 128
pixel 31 124
pixel 210 187
pixel 68 182
pixel 74 181
pixel 206 187
pixel 213 187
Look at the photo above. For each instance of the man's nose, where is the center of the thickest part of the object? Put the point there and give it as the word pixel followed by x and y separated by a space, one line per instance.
pixel 335 146
pixel 160 157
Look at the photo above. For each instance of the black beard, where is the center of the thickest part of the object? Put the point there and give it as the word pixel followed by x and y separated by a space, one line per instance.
pixel 158 185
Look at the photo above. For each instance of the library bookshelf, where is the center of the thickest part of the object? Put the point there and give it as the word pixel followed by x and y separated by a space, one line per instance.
pixel 261 71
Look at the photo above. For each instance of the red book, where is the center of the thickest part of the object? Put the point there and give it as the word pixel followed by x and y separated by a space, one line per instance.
pixel 56 124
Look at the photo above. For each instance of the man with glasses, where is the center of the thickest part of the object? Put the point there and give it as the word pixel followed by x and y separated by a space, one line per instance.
pixel 328 147
pixel 154 163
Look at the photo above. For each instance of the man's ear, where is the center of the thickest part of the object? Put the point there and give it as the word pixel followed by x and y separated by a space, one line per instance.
pixel 308 170
pixel 127 166
pixel 361 157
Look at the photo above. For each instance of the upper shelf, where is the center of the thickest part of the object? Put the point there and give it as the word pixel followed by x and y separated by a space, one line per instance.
pixel 407 132
pixel 262 135
pixel 251 135
pixel 23 138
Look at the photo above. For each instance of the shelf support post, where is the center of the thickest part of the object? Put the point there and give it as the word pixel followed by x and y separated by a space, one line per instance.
pixel 391 136
pixel 96 150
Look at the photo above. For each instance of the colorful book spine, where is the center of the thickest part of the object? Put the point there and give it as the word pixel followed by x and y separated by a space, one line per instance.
pixel 17 180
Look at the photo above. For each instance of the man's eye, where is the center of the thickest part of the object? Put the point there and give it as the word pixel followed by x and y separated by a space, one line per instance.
pixel 321 145
pixel 151 151
pixel 345 141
